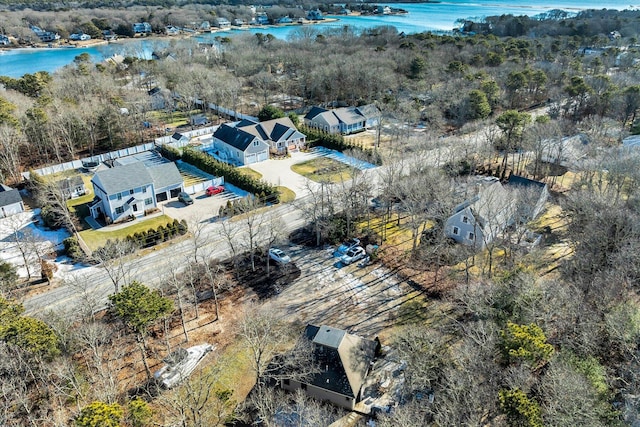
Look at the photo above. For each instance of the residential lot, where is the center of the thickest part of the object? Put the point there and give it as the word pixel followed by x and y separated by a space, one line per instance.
pixel 363 301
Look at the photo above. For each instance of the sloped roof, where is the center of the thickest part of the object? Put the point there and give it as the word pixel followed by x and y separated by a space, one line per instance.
pixel 165 175
pixel 70 183
pixel 270 130
pixel 369 111
pixel 314 112
pixel 348 115
pixel 491 202
pixel 236 137
pixel 525 182
pixel 9 196
pixel 121 178
pixel 344 359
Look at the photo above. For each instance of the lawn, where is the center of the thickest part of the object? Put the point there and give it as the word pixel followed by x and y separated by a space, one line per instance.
pixel 323 169
pixel 79 206
pixel 250 173
pixel 97 238
pixel 286 195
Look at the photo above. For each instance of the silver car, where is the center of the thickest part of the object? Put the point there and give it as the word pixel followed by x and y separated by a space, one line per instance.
pixel 353 255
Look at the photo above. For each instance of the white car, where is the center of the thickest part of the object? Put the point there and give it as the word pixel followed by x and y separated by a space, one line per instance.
pixel 353 255
pixel 279 256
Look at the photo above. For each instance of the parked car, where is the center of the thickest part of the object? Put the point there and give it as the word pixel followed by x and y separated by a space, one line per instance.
pixel 185 198
pixel 279 256
pixel 215 189
pixel 353 255
pixel 345 246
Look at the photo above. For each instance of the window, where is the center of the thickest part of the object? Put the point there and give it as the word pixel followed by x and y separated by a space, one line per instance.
pixel 119 210
pixel 456 231
pixel 465 220
pixel 472 236
pixel 119 196
pixel 131 191
pixel 148 201
pixel 256 143
pixel 144 189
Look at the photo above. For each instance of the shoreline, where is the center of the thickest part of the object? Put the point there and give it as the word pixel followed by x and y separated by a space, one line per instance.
pixel 156 36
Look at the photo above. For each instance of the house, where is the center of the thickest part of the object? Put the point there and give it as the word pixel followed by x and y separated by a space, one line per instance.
pixel 238 146
pixel 109 35
pixel 170 30
pixel 4 40
pixel 72 187
pixel 281 134
pixel 480 218
pixel 199 120
pixel 343 120
pixel 141 28
pixel 132 189
pixel 205 27
pixel 285 20
pixel 180 138
pixel 384 10
pixel 238 22
pixel 533 195
pixel 79 37
pixel 344 360
pixel 10 201
pixel 261 18
pixel 45 36
pixel 315 15
pixel 223 23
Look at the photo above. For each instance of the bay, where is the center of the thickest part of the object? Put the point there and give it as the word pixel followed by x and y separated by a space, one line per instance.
pixel 440 16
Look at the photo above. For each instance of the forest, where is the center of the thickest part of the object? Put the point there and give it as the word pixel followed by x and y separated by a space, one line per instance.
pixel 500 336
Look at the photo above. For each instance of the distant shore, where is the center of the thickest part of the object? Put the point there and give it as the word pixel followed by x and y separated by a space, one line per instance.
pixel 71 44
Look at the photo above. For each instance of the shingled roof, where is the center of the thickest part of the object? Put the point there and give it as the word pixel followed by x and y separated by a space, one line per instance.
pixel 9 196
pixel 236 137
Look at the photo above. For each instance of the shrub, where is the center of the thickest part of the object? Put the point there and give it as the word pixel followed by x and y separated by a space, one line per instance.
pixel 317 137
pixel 231 174
pixel 73 249
pixel 169 152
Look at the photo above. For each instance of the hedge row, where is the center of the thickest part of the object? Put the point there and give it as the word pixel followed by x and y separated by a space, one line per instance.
pixel 169 152
pixel 232 175
pixel 317 137
pixel 152 237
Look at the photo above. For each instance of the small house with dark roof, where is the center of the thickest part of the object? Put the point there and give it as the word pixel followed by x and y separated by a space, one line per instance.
pixel 344 360
pixel 72 187
pixel 10 201
pixel 532 198
pixel 133 188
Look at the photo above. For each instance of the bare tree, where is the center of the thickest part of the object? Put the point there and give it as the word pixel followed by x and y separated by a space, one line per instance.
pixel 113 258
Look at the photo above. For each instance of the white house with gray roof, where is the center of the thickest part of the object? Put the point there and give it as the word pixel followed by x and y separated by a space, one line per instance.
pixel 132 189
pixel 343 120
pixel 10 201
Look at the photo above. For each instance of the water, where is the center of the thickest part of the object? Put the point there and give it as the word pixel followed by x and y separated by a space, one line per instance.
pixel 421 17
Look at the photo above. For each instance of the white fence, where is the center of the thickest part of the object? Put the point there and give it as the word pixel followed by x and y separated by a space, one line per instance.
pixel 201 186
pixel 188 134
pixel 76 164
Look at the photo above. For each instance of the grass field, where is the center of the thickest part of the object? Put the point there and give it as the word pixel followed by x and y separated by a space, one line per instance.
pixel 286 195
pixel 250 173
pixel 97 238
pixel 323 169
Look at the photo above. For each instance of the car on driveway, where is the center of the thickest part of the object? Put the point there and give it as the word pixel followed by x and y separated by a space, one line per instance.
pixel 345 246
pixel 353 255
pixel 215 189
pixel 279 256
pixel 185 198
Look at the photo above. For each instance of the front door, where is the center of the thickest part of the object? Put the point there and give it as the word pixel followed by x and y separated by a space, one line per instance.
pixel 135 208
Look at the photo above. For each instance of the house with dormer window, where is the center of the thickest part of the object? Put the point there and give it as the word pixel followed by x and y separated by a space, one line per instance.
pixel 132 189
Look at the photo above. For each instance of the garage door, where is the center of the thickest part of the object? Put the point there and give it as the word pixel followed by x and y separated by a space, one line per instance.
pixel 175 192
pixel 250 158
pixel 161 197
pixel 263 156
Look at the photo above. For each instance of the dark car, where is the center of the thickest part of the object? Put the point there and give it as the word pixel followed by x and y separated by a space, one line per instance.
pixel 185 198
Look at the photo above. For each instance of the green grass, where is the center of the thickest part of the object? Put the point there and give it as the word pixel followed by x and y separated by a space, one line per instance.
pixel 97 238
pixel 250 173
pixel 286 195
pixel 80 206
pixel 323 169
pixel 174 119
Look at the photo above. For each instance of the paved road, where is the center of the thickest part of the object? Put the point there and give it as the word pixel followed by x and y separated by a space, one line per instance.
pixel 156 265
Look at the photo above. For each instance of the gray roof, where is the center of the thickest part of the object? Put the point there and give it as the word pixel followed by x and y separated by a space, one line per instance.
pixel 165 175
pixel 345 358
pixel 9 196
pixel 348 115
pixel 369 111
pixel 122 178
pixel 70 183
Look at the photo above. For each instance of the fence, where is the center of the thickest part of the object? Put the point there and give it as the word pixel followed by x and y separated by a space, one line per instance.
pixel 188 134
pixel 203 185
pixel 77 164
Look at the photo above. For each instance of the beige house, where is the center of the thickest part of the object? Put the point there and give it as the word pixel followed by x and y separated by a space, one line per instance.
pixel 344 361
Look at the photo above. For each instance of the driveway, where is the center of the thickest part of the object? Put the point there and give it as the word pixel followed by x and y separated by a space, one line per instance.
pixel 204 207
pixel 278 172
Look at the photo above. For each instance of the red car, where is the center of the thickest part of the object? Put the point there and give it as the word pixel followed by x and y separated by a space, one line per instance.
pixel 215 189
